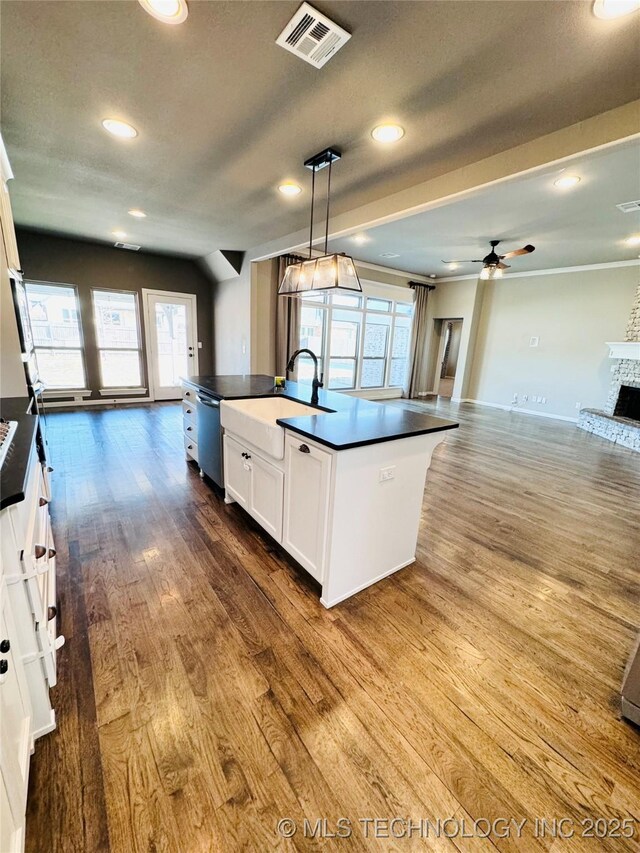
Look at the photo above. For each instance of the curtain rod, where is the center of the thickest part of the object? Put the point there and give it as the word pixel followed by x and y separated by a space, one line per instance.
pixel 414 284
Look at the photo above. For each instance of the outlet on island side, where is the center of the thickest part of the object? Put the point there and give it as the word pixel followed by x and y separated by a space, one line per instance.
pixel 387 473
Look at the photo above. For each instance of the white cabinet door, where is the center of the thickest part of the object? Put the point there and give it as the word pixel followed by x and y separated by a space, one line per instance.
pixel 306 503
pixel 11 833
pixel 237 471
pixel 265 504
pixel 15 724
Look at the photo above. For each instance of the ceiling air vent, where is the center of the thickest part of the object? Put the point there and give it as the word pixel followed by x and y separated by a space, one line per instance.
pixel 629 206
pixel 131 246
pixel 389 255
pixel 312 36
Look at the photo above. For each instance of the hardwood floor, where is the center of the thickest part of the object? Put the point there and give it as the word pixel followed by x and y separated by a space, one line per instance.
pixel 205 693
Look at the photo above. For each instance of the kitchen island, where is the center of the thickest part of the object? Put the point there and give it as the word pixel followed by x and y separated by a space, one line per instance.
pixel 339 485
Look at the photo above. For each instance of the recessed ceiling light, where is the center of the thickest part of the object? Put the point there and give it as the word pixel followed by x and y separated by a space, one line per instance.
pixel 567 181
pixel 361 239
pixel 139 214
pixel 453 266
pixel 120 235
pixel 432 275
pixel 290 188
pixel 119 128
pixel 168 11
pixel 387 133
pixel 609 9
pixel 634 240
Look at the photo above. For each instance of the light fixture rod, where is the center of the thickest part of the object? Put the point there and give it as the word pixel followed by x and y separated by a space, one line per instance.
pixel 313 193
pixel 326 227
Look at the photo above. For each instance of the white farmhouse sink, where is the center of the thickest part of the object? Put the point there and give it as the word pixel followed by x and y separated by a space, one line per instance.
pixel 255 420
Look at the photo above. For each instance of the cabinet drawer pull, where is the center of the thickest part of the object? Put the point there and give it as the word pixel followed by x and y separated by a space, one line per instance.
pixel 52 553
pixel 189 429
pixel 50 469
pixel 43 502
pixel 39 551
pixel 4 666
pixel 189 446
pixel 187 393
pixel 304 448
pixel 188 411
pixel 52 612
pixel 5 646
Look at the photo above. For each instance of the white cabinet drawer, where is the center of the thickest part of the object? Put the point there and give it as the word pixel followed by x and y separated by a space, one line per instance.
pixel 190 447
pixel 188 393
pixel 190 430
pixel 189 412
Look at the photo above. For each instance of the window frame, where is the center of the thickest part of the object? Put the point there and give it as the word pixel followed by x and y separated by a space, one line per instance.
pixel 100 349
pixel 361 313
pixel 81 348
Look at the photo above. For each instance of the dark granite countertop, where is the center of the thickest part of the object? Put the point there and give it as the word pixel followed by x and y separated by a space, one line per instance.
pixel 13 474
pixel 342 421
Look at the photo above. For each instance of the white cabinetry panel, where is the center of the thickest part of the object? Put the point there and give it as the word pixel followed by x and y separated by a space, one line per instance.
pixel 306 504
pixel 267 484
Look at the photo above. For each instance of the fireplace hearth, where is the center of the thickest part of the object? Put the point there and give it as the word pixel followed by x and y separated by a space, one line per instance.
pixel 619 421
pixel 628 404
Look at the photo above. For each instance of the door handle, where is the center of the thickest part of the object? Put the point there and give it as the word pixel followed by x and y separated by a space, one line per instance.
pixel 304 449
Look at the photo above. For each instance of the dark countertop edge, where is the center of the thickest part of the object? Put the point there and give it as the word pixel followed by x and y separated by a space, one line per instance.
pixel 260 386
pixel 16 466
pixel 380 440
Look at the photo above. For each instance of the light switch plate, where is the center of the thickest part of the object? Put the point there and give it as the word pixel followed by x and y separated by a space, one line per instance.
pixel 387 473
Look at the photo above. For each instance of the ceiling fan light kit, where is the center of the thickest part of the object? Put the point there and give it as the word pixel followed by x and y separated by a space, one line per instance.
pixel 328 272
pixel 492 264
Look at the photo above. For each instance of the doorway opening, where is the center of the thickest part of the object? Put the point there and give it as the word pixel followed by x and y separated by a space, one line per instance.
pixel 449 332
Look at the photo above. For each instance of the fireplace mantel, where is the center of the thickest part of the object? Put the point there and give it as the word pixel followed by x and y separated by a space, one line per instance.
pixel 624 349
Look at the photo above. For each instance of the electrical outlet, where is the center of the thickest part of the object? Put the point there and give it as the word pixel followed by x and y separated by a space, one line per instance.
pixel 534 341
pixel 387 473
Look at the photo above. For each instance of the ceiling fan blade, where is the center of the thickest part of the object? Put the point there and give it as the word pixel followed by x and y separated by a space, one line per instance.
pixel 502 266
pixel 525 250
pixel 475 261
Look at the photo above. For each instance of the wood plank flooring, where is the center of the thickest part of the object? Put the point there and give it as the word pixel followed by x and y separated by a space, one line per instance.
pixel 205 693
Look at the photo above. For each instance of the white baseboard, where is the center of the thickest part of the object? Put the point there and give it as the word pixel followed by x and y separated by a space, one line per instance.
pixel 328 604
pixel 69 404
pixel 512 408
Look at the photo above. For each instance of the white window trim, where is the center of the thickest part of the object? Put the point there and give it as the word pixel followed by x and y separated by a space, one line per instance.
pixel 99 349
pixel 81 349
pixel 374 290
pixel 115 392
pixel 60 393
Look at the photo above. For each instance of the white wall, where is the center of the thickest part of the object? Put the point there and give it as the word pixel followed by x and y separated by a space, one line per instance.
pixel 232 323
pixel 573 314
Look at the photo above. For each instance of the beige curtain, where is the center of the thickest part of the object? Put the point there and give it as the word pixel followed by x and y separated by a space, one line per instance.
pixel 288 310
pixel 418 351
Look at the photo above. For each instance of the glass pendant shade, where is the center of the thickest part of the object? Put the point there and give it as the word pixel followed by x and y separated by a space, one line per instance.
pixel 329 272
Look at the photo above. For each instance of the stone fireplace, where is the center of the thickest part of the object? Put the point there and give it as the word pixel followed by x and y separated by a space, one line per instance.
pixel 620 419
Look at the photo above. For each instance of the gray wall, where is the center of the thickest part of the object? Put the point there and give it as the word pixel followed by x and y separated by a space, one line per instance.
pixel 46 257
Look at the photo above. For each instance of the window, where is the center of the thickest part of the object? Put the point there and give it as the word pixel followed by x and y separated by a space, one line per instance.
pixel 115 314
pixel 57 336
pixel 361 342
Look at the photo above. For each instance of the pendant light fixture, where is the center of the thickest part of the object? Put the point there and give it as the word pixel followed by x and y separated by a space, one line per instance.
pixel 328 272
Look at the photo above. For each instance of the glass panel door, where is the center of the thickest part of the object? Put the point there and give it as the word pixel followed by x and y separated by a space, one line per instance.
pixel 172 344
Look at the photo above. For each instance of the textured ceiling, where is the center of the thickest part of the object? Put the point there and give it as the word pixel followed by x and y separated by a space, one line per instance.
pixel 225 115
pixel 568 227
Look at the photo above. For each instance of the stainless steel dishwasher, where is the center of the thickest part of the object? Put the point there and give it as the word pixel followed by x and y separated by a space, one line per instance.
pixel 210 437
